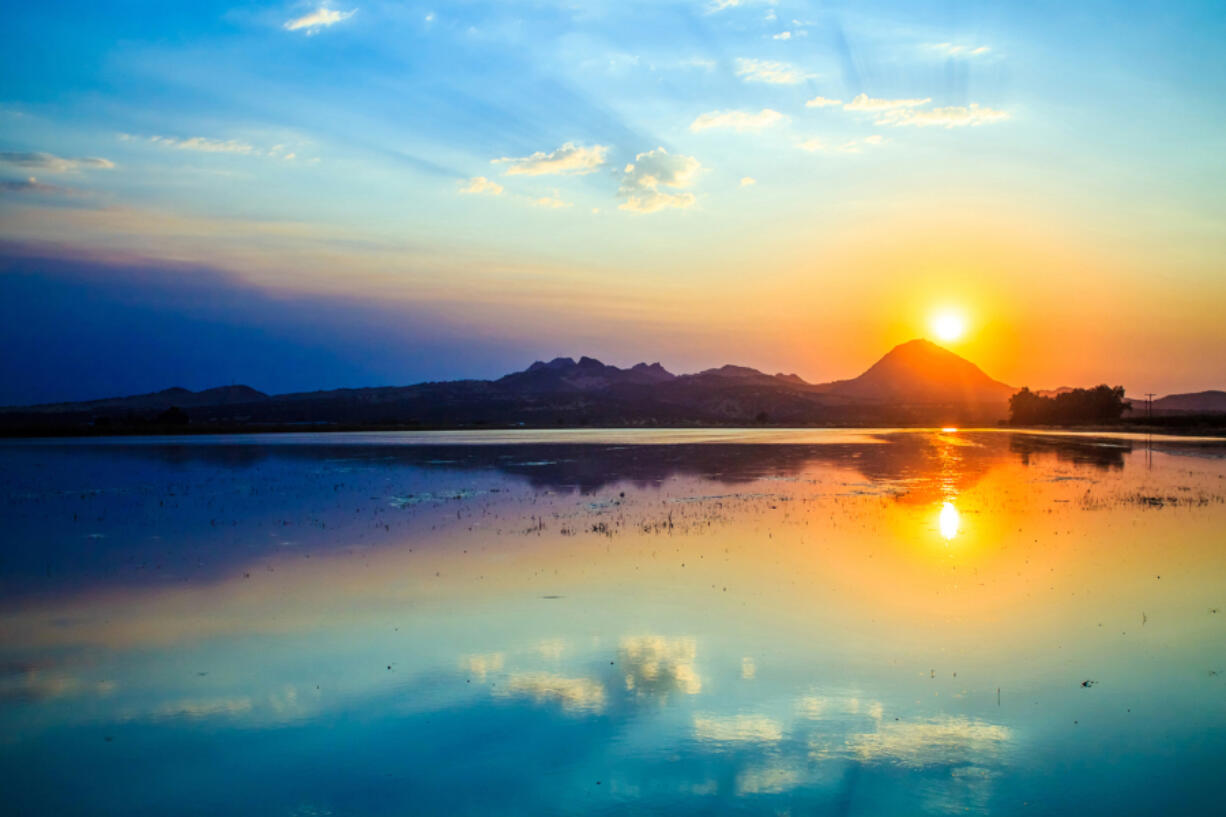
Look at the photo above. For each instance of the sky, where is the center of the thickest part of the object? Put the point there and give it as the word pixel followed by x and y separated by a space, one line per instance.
pixel 302 195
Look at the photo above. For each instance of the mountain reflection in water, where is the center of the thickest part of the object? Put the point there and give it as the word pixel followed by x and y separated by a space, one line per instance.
pixel 857 623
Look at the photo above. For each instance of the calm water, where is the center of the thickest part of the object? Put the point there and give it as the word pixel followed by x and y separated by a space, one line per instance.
pixel 851 623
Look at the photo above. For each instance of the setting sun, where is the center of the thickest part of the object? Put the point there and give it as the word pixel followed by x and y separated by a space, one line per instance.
pixel 948 326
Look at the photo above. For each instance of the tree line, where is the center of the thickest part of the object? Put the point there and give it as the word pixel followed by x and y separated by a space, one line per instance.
pixel 1101 404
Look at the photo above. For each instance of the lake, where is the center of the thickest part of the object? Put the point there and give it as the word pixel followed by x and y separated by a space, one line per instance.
pixel 860 622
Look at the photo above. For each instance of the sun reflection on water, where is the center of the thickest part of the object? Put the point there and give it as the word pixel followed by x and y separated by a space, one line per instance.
pixel 949 520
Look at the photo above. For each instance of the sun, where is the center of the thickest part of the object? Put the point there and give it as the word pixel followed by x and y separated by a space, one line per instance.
pixel 948 326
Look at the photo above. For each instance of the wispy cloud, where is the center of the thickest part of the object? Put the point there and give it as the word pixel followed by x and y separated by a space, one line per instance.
pixel 952 50
pixel 570 158
pixel 204 144
pixel 51 163
pixel 954 116
pixel 318 20
pixel 863 102
pixel 650 171
pixel 737 120
pixel 774 73
pixel 551 202
pixel 748 181
pixel 849 146
pixel 782 35
pixel 737 728
pixel 480 184
pixel 823 102
pixel 33 185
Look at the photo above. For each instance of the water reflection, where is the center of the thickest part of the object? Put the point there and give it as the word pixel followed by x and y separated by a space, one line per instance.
pixel 948 520
pixel 608 629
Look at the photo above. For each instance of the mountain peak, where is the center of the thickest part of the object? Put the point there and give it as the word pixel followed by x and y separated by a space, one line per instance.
pixel 921 371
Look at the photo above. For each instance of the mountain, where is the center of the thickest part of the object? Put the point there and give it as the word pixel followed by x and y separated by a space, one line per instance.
pixel 160 400
pixel 588 374
pixel 914 383
pixel 919 372
pixel 1201 402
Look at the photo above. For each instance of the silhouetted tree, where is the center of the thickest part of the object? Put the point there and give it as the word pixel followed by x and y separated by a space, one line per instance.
pixel 1101 404
pixel 173 416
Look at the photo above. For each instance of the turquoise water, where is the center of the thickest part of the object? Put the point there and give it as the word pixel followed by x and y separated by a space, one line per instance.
pixel 810 622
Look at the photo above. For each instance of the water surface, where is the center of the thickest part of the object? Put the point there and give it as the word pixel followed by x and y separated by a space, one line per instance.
pixel 775 622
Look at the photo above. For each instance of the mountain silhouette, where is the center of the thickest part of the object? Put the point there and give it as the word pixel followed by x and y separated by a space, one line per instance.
pixel 915 383
pixel 919 371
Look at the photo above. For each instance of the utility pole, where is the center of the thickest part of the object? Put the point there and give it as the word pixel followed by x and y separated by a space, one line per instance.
pixel 1149 405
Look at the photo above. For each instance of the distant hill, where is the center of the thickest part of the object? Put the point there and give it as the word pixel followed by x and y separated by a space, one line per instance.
pixel 160 400
pixel 1201 402
pixel 916 383
pixel 919 371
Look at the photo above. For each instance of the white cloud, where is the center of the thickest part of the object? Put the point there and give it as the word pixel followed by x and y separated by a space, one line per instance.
pixel 480 184
pixel 737 729
pixel 551 202
pixel 737 120
pixel 570 158
pixel 822 102
pixel 952 50
pixel 748 181
pixel 643 178
pixel 204 144
pixel 954 116
pixel 318 19
pixel 863 102
pixel 875 139
pixel 55 164
pixel 851 146
pixel 775 73
pixel 574 695
pixel 782 35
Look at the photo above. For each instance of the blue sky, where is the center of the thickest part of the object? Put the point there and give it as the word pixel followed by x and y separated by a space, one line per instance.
pixel 794 186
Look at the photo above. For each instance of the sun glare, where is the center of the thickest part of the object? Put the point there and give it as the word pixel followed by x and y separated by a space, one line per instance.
pixel 949 520
pixel 948 326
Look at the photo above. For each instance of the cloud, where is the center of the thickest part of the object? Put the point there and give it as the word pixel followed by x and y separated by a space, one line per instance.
pixel 572 694
pixel 782 35
pixel 822 102
pixel 951 50
pixel 941 741
pixel 206 707
pixel 55 164
pixel 954 116
pixel 775 73
pixel 875 139
pixel 643 178
pixel 482 665
pixel 33 185
pixel 318 19
pixel 850 146
pixel 737 120
pixel 864 102
pixel 737 729
pixel 552 202
pixel 716 6
pixel 748 181
pixel 480 184
pixel 570 158
pixel 204 144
